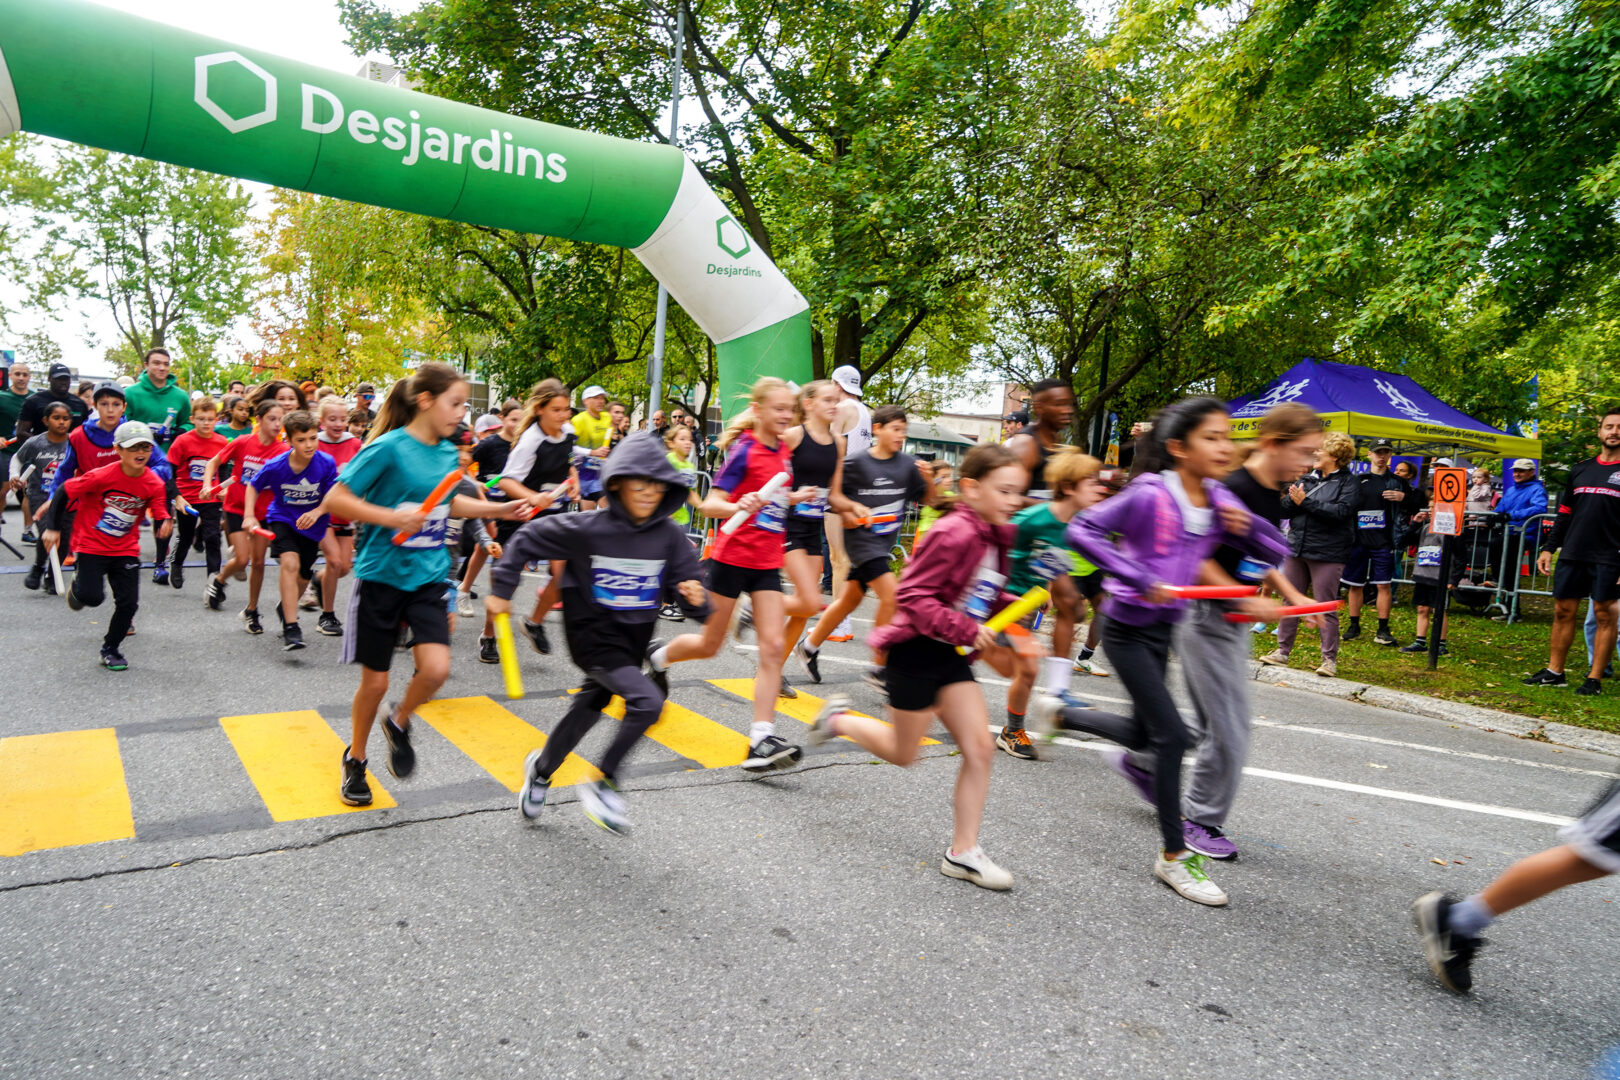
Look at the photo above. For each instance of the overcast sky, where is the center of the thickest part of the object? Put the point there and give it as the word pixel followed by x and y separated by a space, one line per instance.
pixel 306 30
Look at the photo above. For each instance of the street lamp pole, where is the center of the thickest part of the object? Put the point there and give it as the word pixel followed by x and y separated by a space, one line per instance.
pixel 656 375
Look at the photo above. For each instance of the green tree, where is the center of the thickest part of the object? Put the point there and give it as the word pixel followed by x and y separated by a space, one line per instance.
pixel 162 248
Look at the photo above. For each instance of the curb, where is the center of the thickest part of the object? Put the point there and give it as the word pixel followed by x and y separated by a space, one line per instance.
pixel 1475 716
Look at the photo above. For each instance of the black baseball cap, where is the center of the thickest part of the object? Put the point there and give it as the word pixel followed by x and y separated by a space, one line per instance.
pixel 1019 417
pixel 1384 444
pixel 60 371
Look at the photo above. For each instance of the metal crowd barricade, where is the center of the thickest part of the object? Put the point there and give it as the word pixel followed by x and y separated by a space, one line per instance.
pixel 1512 583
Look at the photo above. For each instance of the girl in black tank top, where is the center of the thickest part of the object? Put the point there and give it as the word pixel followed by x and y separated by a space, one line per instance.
pixel 818 459
pixel 813 463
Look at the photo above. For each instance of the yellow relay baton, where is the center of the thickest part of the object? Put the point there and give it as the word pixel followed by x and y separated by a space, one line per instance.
pixel 1014 611
pixel 508 652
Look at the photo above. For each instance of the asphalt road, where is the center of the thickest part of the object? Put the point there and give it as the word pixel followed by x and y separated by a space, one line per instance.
pixel 791 926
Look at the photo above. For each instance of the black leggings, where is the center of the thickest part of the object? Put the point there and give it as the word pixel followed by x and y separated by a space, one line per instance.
pixel 1140 654
pixel 94 573
pixel 205 524
pixel 642 705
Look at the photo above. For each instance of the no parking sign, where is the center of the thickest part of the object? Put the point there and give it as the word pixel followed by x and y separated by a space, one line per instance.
pixel 1450 499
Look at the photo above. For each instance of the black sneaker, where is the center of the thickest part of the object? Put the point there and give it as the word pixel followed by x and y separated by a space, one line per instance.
pixel 873 677
pixel 536 633
pixel 214 596
pixel 50 585
pixel 1547 677
pixel 250 616
pixel 113 660
pixel 329 625
pixel 292 637
pixel 1416 645
pixel 28 537
pixel 353 789
pixel 35 575
pixel 1449 954
pixel 1351 632
pixel 1016 742
pixel 1384 637
pixel 809 659
pixel 401 758
pixel 786 689
pixel 487 652
pixel 1590 688
pixel 671 612
pixel 177 575
pixel 659 679
pixel 73 601
pixel 771 752
pixel 160 575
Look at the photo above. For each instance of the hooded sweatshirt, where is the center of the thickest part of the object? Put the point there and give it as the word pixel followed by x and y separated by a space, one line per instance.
pixel 90 446
pixel 1160 543
pixel 152 406
pixel 953 584
pixel 618 572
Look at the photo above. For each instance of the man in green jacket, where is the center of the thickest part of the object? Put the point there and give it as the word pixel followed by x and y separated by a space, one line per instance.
pixel 157 401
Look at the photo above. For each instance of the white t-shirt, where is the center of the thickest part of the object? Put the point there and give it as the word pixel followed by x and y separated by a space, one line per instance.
pixel 859 437
pixel 1198 520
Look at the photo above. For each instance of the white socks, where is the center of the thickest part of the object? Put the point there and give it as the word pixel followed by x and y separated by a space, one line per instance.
pixel 1057 674
pixel 660 658
pixel 758 731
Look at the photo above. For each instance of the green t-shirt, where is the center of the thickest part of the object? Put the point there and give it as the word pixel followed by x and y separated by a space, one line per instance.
pixel 231 432
pixel 397 470
pixel 1040 553
pixel 683 516
pixel 10 405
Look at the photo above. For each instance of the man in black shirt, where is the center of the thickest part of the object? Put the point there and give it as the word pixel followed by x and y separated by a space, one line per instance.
pixel 1587 530
pixel 1052 404
pixel 31 420
pixel 1372 560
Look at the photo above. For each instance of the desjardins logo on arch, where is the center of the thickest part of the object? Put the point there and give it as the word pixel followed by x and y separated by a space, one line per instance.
pixel 324 113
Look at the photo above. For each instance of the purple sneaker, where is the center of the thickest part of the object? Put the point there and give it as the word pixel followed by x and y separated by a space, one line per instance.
pixel 1208 840
pixel 1140 779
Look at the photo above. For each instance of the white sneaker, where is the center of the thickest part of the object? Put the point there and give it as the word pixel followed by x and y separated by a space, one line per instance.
pixel 975 866
pixel 1186 876
pixel 464 604
pixel 821 727
pixel 1041 717
pixel 532 795
pixel 1276 658
pixel 604 805
pixel 1329 669
pixel 1090 667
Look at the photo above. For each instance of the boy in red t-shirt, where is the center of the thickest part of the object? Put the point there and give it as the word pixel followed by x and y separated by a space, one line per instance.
pixel 246 454
pixel 189 454
pixel 340 444
pixel 111 502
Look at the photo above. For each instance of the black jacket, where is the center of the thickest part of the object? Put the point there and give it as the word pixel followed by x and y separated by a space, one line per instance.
pixel 618 572
pixel 1323 527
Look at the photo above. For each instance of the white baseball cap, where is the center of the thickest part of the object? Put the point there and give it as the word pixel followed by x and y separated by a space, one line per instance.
pixel 848 378
pixel 1524 463
pixel 1442 463
pixel 133 433
pixel 593 391
pixel 486 423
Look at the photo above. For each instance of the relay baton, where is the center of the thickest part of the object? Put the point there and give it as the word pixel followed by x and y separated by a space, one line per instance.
pixel 766 494
pixel 1014 611
pixel 56 571
pixel 1285 612
pixel 26 473
pixel 877 519
pixel 508 653
pixel 264 532
pixel 493 482
pixel 1211 592
pixel 435 497
pixel 192 510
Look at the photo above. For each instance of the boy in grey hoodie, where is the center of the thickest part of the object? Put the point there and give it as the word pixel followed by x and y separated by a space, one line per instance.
pixel 624 561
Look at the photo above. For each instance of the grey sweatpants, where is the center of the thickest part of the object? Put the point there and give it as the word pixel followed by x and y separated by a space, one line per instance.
pixel 1322 579
pixel 642 706
pixel 1215 662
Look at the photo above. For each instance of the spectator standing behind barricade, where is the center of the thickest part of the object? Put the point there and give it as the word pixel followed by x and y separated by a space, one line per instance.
pixel 1526 499
pixel 1587 536
pixel 1372 560
pixel 1321 511
pixel 12 396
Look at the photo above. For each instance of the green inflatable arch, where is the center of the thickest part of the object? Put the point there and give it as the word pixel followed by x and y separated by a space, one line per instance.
pixel 91 75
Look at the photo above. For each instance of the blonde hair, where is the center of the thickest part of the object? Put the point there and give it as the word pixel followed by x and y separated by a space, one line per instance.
pixel 1069 468
pixel 674 430
pixel 544 393
pixel 328 403
pixel 745 420
pixel 1341 446
pixel 1287 422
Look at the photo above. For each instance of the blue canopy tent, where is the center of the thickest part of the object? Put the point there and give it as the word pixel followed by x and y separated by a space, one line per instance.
pixel 1367 404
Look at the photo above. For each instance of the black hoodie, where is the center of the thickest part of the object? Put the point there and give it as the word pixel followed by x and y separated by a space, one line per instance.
pixel 618 573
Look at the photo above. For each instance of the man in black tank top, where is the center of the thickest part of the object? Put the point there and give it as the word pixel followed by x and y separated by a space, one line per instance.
pixel 1051 402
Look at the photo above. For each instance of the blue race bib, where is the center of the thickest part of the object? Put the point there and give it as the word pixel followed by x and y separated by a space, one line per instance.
pixel 627 584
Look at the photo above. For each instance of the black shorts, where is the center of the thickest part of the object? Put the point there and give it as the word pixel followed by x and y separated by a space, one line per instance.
pixel 289 541
pixel 1426 594
pixel 1575 580
pixel 342 530
pixel 804 535
pixel 870 570
pixel 1090 585
pixel 732 581
pixel 918 668
pixel 376 611
pixel 1368 566
pixel 233 523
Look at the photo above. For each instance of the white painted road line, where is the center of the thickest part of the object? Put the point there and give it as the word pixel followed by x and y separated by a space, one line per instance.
pixel 1432 749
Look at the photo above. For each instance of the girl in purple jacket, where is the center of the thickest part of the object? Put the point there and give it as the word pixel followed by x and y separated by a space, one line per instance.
pixel 1157 533
pixel 952 586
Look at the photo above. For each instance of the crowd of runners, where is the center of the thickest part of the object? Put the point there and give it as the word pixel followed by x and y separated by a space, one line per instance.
pixel 421 504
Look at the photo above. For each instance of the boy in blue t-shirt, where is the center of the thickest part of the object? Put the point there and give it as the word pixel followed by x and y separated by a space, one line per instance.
pixel 298 482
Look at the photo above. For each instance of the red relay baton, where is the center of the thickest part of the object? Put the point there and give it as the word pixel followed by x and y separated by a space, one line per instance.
pixel 1286 612
pixel 435 497
pixel 1211 592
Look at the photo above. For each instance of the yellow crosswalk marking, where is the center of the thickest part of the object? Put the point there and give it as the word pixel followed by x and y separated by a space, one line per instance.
pixel 62 790
pixel 691 735
pixel 803 708
pixel 294 759
pixel 498 740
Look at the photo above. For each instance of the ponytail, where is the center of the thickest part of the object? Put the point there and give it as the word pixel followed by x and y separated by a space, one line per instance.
pixel 745 420
pixel 1173 423
pixel 399 407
